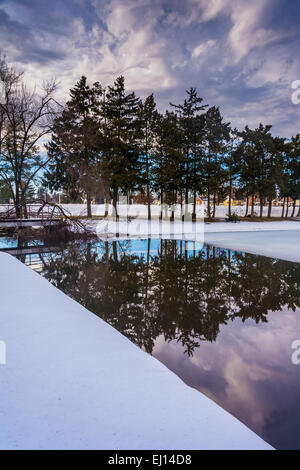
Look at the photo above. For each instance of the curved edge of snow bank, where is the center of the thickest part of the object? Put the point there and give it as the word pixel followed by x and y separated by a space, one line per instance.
pixel 71 381
pixel 280 244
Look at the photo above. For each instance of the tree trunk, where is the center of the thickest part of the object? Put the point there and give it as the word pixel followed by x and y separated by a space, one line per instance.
pixel 23 205
pixel 161 204
pixel 89 205
pixel 106 202
pixel 270 208
pixel 282 213
pixel 294 208
pixel 186 205
pixel 172 210
pixel 287 208
pixel 148 186
pixel 214 206
pixel 115 199
pixel 208 203
pixel 181 204
pixel 194 208
pixel 148 202
pixel 252 205
pixel 18 207
pixel 229 198
pixel 247 206
pixel 261 200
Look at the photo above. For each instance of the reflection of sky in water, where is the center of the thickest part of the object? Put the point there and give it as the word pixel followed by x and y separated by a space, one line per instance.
pixel 139 247
pixel 248 369
pixel 8 243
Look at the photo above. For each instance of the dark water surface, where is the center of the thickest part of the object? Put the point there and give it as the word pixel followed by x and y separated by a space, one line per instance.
pixel 223 321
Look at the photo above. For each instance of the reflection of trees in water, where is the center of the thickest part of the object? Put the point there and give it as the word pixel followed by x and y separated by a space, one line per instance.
pixel 182 295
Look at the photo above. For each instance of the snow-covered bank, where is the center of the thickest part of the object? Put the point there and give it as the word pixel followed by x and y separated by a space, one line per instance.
pixel 220 227
pixel 72 381
pixel 282 244
pixel 275 239
pixel 141 210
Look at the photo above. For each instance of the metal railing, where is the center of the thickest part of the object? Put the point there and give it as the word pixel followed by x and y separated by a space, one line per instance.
pixel 32 211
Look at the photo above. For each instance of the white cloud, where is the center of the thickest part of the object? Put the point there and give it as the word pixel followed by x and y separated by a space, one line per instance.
pixel 245 32
pixel 140 52
pixel 127 45
pixel 203 48
pixel 246 16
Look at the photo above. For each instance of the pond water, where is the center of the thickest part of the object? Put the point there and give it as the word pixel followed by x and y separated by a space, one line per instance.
pixel 223 321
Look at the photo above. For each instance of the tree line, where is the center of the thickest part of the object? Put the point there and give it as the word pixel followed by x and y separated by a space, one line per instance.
pixel 107 141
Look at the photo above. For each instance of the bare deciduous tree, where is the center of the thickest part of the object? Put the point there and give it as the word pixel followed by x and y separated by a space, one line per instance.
pixel 26 119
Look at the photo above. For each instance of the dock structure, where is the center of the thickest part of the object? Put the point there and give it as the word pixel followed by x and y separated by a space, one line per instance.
pixel 36 215
pixel 71 381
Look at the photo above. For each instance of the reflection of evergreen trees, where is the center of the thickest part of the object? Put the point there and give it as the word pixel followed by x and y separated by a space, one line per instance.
pixel 185 296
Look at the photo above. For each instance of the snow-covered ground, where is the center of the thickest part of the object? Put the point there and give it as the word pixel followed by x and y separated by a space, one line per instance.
pixel 283 244
pixel 275 239
pixel 71 381
pixel 141 210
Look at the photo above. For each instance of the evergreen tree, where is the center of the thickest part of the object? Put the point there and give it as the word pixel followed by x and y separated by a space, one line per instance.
pixel 148 119
pixel 292 172
pixel 191 125
pixel 120 160
pixel 167 169
pixel 217 134
pixel 232 165
pixel 261 156
pixel 74 145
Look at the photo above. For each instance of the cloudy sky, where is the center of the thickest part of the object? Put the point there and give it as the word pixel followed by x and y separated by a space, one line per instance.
pixel 241 55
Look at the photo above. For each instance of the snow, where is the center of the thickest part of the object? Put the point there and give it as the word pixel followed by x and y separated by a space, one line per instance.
pixel 133 209
pixel 282 244
pixel 71 381
pixel 141 210
pixel 220 227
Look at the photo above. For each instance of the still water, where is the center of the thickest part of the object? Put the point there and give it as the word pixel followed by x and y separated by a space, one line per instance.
pixel 223 321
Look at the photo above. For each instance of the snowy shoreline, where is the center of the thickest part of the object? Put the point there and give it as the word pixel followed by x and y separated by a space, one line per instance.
pixel 71 381
pixel 141 210
pixel 274 239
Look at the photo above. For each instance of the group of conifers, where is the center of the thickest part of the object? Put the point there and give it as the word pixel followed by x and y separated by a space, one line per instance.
pixel 111 141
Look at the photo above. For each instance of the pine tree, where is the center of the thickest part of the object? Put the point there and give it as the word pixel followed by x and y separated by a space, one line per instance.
pixel 74 145
pixel 232 166
pixel 217 133
pixel 261 155
pixel 148 119
pixel 191 125
pixel 292 171
pixel 167 170
pixel 120 161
